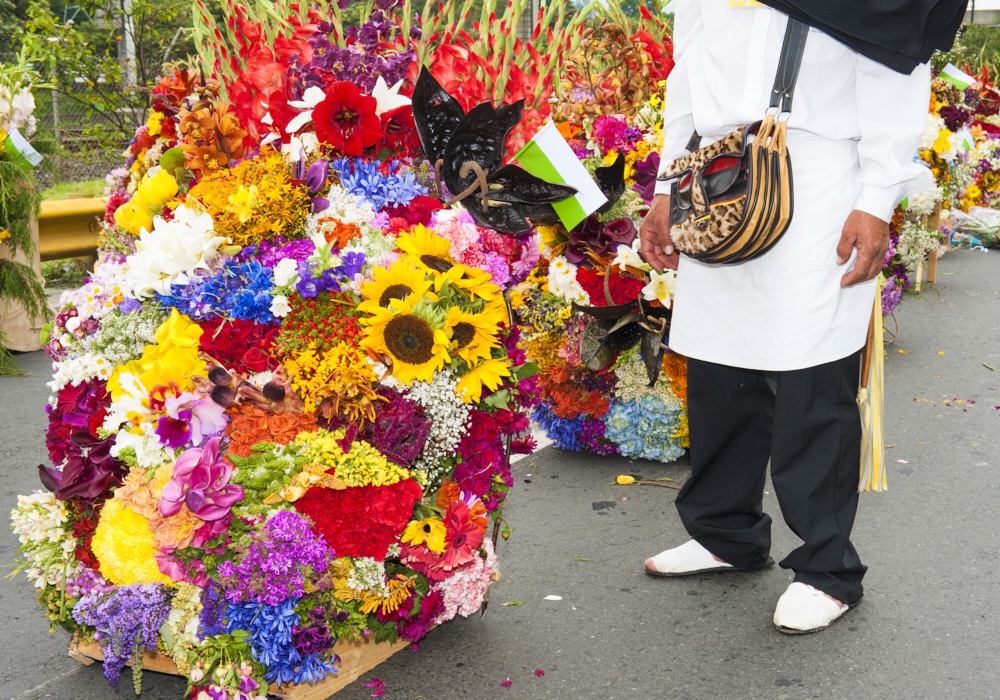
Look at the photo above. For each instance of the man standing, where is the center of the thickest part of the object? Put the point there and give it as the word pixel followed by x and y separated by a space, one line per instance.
pixel 774 344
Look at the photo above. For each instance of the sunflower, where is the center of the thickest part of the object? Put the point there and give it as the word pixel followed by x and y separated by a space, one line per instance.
pixel 473 336
pixel 427 249
pixel 411 335
pixel 470 279
pixel 489 373
pixel 403 280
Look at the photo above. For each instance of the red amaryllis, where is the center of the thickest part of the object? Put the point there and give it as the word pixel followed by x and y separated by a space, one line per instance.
pixel 399 131
pixel 346 119
pixel 361 521
pixel 201 480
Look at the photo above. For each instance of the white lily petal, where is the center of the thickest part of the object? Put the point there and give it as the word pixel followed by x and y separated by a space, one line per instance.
pixel 387 98
pixel 299 121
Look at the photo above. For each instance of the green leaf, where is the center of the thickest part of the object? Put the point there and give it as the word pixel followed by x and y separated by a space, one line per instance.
pixel 513 602
pixel 527 370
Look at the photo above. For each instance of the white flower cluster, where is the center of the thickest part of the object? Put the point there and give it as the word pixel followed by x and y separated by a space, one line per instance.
pixel 368 576
pixel 924 202
pixel 915 240
pixel 17 111
pixel 345 208
pixel 449 419
pixel 39 522
pixel 562 281
pixel 123 337
pixel 172 251
pixel 180 629
pixel 932 129
pixel 79 369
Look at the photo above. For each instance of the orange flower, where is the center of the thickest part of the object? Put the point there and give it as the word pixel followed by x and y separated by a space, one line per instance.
pixel 250 425
pixel 341 233
pixel 676 368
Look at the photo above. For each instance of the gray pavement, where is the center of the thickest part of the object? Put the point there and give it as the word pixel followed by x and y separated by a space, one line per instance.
pixel 927 628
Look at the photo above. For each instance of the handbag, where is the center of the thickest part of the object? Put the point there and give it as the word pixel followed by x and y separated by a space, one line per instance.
pixel 731 201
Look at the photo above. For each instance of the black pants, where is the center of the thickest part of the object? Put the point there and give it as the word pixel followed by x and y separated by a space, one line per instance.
pixel 807 423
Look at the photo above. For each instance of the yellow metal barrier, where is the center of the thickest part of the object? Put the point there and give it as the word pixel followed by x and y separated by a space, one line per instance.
pixel 68 228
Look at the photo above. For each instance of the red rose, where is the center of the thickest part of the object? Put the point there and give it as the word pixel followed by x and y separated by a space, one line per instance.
pixel 346 119
pixel 255 360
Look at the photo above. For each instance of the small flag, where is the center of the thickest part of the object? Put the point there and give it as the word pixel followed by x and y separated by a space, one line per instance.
pixel 18 148
pixel 549 157
pixel 956 76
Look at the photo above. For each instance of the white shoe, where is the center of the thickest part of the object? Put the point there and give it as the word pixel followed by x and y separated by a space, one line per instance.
pixel 802 609
pixel 690 558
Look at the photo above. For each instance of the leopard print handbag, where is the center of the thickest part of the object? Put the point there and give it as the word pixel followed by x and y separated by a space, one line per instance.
pixel 731 201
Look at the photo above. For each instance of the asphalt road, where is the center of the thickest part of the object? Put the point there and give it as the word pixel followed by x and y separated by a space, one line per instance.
pixel 927 628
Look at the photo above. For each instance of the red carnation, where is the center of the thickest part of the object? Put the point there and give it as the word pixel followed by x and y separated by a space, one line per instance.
pixel 346 119
pixel 361 521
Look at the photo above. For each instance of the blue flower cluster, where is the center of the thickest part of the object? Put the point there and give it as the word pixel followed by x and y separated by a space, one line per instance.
pixel 310 283
pixel 270 635
pixel 381 190
pixel 241 290
pixel 646 428
pixel 563 432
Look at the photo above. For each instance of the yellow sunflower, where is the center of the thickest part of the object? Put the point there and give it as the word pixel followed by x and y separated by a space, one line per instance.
pixel 470 279
pixel 473 336
pixel 430 251
pixel 489 373
pixel 400 281
pixel 411 336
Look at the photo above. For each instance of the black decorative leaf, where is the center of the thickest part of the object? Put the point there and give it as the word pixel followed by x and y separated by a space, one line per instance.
pixel 508 116
pixel 611 180
pixel 652 340
pixel 594 355
pixel 539 214
pixel 502 219
pixel 476 139
pixel 605 313
pixel 521 187
pixel 436 114
pixel 624 334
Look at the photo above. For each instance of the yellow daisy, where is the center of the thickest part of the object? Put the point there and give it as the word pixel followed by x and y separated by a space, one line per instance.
pixel 405 335
pixel 402 280
pixel 429 531
pixel 430 251
pixel 473 336
pixel 489 373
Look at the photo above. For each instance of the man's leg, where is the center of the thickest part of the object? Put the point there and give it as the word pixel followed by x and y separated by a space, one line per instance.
pixel 730 412
pixel 815 470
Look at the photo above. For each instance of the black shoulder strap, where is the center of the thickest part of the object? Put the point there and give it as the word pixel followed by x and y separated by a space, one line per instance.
pixel 788 65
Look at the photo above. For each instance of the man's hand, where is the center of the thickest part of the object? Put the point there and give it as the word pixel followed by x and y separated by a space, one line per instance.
pixel 654 235
pixel 870 235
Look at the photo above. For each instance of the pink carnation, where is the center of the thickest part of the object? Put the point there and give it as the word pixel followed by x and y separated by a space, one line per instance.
pixel 463 593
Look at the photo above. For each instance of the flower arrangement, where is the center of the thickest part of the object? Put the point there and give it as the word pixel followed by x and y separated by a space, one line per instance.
pixel 283 403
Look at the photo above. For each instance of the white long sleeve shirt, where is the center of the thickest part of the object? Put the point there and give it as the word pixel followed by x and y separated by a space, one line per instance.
pixel 726 58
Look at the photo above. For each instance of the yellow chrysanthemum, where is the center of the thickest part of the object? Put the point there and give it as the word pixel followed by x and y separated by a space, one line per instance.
pixel 429 250
pixel 123 544
pixel 429 531
pixel 473 336
pixel 943 143
pixel 403 280
pixel 362 465
pixel 489 373
pixel 174 358
pixel 416 346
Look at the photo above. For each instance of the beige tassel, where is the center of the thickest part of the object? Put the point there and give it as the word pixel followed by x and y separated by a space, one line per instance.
pixel 871 400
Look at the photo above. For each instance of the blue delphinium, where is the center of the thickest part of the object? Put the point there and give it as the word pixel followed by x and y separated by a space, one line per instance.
pixel 381 190
pixel 270 635
pixel 240 290
pixel 645 428
pixel 562 431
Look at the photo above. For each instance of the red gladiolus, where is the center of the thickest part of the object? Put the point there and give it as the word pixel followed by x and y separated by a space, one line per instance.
pixel 346 119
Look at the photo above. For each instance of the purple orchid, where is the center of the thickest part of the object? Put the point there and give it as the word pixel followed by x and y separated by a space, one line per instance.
pixel 190 419
pixel 201 480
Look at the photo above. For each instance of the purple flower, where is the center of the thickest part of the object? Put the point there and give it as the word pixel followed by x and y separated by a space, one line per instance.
pixel 316 177
pixel 593 236
pixel 201 480
pixel 190 419
pixel 308 287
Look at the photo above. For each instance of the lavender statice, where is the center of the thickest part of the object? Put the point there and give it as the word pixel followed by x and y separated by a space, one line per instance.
pixel 127 621
pixel 366 180
pixel 276 563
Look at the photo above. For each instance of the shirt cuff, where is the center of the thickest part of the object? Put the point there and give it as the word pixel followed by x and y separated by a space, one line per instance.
pixel 662 187
pixel 879 201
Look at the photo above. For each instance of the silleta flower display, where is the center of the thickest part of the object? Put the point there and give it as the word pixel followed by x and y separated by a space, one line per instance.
pixel 284 402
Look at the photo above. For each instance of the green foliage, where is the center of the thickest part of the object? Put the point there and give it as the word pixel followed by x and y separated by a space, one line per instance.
pixel 81 57
pixel 65 190
pixel 977 45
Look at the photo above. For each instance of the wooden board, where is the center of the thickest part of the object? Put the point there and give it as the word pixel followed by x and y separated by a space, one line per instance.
pixel 356 658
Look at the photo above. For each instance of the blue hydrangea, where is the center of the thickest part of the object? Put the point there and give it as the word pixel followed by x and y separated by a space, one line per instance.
pixel 562 431
pixel 381 190
pixel 270 630
pixel 645 428
pixel 240 290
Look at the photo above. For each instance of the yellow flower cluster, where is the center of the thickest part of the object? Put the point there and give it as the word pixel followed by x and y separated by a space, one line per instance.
pixel 341 377
pixel 155 124
pixel 124 546
pixel 174 358
pixel 253 201
pixel 363 465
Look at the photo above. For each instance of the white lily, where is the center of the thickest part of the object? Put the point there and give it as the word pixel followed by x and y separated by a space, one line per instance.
pixel 629 256
pixel 311 97
pixel 660 287
pixel 387 98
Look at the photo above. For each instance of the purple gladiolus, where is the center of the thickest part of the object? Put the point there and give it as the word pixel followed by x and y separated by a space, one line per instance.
pixel 201 480
pixel 316 177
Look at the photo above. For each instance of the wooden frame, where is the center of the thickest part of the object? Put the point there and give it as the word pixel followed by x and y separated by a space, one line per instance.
pixel 356 658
